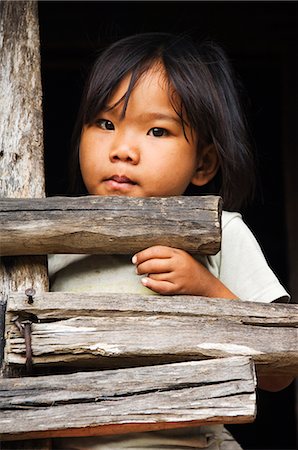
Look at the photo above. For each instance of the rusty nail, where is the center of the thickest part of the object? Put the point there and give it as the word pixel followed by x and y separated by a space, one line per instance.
pixel 18 324
pixel 30 292
pixel 27 337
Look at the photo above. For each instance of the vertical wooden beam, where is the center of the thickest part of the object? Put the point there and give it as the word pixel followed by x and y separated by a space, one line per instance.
pixel 21 129
pixel 21 142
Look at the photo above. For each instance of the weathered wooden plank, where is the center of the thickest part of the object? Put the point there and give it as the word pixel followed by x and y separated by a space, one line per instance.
pixel 141 398
pixel 99 330
pixel 109 224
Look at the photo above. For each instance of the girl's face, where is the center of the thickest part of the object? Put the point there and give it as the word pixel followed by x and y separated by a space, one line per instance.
pixel 143 154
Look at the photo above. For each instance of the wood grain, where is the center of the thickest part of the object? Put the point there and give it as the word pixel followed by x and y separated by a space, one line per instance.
pixel 109 224
pixel 21 130
pixel 135 399
pixel 21 146
pixel 75 329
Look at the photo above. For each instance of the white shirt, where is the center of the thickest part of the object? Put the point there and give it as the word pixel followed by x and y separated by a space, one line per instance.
pixel 240 265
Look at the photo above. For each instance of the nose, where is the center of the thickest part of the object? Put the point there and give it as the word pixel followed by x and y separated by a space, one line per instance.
pixel 125 153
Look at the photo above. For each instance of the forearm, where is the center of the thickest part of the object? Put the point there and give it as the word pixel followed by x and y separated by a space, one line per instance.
pixel 212 287
pixel 274 383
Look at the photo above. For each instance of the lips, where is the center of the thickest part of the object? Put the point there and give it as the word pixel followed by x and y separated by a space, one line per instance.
pixel 119 184
pixel 121 179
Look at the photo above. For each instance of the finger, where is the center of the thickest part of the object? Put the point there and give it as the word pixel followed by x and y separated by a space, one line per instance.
pixel 161 287
pixel 157 251
pixel 161 276
pixel 154 266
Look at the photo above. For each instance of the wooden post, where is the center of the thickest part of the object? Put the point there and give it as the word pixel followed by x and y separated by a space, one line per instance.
pixel 21 139
pixel 21 129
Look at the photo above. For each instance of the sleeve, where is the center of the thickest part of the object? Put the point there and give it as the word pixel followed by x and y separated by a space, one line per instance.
pixel 243 267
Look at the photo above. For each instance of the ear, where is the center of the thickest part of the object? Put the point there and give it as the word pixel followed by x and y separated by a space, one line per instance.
pixel 207 166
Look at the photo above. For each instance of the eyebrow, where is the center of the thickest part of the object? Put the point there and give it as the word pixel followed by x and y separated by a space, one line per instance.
pixel 160 116
pixel 148 115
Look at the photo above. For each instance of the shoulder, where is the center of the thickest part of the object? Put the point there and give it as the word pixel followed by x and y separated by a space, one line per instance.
pixel 242 264
pixel 228 217
pixel 236 230
pixel 233 220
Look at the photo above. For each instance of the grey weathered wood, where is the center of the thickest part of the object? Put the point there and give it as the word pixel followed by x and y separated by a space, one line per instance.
pixel 21 143
pixel 135 399
pixel 99 330
pixel 21 125
pixel 109 224
pixel 21 133
pixel 21 129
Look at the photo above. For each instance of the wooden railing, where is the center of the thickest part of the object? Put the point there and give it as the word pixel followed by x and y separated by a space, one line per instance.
pixel 177 331
pixel 141 344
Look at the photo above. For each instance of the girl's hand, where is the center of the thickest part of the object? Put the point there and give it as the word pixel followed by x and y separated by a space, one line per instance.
pixel 173 271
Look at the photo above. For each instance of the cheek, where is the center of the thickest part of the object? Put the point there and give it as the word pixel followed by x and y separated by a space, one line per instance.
pixel 83 161
pixel 87 165
pixel 87 150
pixel 180 161
pixel 173 177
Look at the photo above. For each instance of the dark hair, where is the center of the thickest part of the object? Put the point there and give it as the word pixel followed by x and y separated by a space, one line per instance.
pixel 203 79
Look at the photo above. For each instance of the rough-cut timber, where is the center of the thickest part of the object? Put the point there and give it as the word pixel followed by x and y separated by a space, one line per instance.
pixel 109 224
pixel 135 399
pixel 21 129
pixel 21 144
pixel 98 330
pixel 21 125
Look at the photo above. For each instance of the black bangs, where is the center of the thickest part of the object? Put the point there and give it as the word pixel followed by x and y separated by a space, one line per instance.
pixel 135 75
pixel 113 65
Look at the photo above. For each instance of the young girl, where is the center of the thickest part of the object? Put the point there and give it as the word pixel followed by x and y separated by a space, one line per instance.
pixel 160 117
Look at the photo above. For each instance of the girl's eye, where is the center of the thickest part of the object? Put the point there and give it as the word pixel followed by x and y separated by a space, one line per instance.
pixel 105 124
pixel 158 132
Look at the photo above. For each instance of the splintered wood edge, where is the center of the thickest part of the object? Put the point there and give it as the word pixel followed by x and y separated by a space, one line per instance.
pixel 105 430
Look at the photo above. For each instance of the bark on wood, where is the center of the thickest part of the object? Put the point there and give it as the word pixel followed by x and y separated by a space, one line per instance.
pixel 98 330
pixel 183 394
pixel 21 140
pixel 109 224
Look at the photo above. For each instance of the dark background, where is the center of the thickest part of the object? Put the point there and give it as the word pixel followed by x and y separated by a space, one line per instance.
pixel 260 40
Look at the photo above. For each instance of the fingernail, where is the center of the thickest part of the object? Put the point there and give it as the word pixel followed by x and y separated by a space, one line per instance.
pixel 144 281
pixel 134 259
